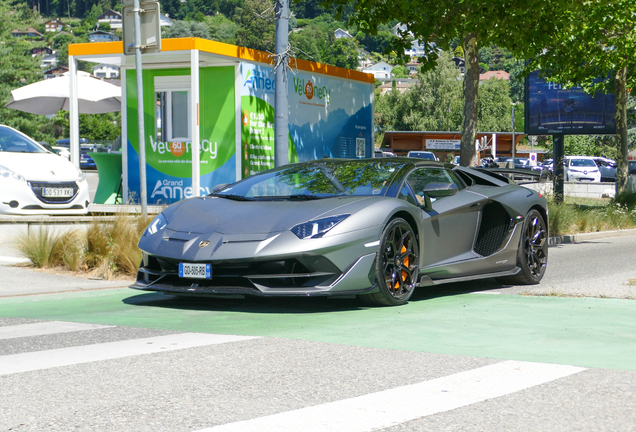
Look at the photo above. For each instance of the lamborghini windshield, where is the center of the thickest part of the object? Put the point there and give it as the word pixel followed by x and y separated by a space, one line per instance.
pixel 319 179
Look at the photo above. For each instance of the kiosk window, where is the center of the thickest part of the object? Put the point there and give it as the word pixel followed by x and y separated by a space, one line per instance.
pixel 172 111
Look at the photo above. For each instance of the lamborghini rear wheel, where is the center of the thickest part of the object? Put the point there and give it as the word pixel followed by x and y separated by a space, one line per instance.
pixel 396 265
pixel 532 256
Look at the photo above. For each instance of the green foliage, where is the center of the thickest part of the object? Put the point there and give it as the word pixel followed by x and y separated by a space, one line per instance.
pixel 257 25
pixel 222 29
pixel 182 29
pixel 379 42
pixel 342 52
pixel 432 105
pixel 494 110
pixel 400 72
pixel 599 215
pixel 599 38
pixel 517 81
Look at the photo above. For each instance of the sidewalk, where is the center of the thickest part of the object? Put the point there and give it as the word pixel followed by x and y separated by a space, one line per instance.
pixel 17 281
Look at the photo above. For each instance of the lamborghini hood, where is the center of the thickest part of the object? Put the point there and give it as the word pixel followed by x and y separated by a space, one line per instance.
pixel 214 214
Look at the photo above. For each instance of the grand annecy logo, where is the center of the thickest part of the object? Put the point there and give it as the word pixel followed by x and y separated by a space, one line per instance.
pixel 258 80
pixel 306 88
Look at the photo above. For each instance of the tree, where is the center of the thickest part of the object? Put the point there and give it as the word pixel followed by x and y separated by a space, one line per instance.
pixel 599 42
pixel 494 106
pixel 521 27
pixel 180 29
pixel 385 112
pixel 342 52
pixel 257 24
pixel 434 104
pixel 222 29
pixel 400 72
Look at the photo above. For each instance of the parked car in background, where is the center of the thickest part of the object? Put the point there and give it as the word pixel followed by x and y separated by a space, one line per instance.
pixel 607 167
pixel 62 151
pixel 35 181
pixel 632 167
pixel 86 162
pixel 422 155
pixel 581 168
pixel 383 153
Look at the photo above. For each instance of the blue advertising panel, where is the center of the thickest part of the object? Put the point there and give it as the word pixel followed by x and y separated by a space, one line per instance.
pixel 551 109
pixel 328 117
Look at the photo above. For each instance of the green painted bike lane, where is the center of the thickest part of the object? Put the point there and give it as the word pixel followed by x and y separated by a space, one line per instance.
pixel 586 332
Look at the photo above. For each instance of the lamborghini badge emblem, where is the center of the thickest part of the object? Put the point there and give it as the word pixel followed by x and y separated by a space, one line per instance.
pixel 204 244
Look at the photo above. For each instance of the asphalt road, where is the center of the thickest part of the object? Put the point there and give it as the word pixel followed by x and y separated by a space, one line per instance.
pixel 460 357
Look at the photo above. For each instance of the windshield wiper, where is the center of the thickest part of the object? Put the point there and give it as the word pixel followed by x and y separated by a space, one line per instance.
pixel 234 197
pixel 305 197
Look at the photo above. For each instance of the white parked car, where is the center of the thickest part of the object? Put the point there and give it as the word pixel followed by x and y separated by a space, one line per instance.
pixel 581 168
pixel 35 181
pixel 422 155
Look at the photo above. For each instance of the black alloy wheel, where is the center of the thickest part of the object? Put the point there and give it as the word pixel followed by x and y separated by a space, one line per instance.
pixel 532 256
pixel 396 268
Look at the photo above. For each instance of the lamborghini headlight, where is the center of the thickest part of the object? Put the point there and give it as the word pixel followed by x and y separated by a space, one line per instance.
pixel 317 228
pixel 156 225
pixel 7 173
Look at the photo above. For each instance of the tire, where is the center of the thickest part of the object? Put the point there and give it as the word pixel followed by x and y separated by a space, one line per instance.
pixel 532 255
pixel 395 272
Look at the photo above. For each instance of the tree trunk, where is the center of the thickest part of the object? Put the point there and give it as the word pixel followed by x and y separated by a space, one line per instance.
pixel 622 172
pixel 471 86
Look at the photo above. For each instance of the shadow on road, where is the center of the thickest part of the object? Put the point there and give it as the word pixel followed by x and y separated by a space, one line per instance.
pixel 295 305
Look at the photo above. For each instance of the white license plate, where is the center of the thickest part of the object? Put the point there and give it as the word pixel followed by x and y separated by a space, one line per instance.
pixel 57 192
pixel 195 271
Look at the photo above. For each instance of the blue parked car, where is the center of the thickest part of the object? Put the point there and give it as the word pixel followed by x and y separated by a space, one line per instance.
pixel 86 162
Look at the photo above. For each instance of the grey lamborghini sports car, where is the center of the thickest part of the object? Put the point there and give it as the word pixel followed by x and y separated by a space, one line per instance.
pixel 376 228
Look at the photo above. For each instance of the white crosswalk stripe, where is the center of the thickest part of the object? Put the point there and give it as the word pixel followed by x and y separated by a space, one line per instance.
pixel 358 414
pixel 395 406
pixel 25 362
pixel 45 328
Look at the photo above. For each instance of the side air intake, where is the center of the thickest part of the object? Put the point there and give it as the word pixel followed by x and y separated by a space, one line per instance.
pixel 493 230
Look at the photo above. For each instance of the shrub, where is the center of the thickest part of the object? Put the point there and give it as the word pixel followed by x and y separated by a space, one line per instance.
pixel 107 248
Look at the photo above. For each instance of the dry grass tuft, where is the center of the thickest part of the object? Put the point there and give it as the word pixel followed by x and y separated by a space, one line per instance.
pixel 106 249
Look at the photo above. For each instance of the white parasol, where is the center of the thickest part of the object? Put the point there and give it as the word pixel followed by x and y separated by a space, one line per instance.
pixel 52 95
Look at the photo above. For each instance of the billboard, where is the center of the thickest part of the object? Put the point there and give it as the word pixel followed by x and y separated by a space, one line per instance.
pixel 551 109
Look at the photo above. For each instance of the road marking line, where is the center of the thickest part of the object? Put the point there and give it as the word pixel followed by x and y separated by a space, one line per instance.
pixel 17 363
pixel 395 406
pixel 45 328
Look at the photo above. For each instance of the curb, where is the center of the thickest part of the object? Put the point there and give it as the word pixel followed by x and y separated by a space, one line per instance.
pixel 579 238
